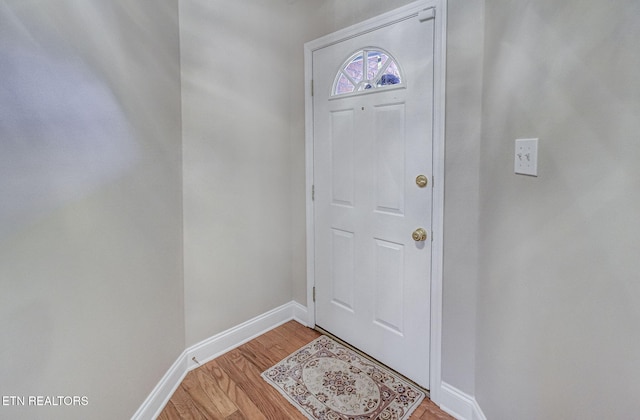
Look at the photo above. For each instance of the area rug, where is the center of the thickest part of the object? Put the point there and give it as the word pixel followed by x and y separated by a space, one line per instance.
pixel 327 381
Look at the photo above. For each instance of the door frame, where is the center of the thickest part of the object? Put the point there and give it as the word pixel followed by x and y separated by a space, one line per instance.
pixel 410 10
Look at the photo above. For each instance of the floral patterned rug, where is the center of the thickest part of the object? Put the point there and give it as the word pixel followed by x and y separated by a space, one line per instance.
pixel 327 381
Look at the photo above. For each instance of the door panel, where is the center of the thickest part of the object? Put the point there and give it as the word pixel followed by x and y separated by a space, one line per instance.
pixel 342 269
pixel 389 286
pixel 342 157
pixel 389 144
pixel 372 279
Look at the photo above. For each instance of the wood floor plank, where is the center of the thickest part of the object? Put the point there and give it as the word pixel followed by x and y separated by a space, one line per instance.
pixel 184 406
pixel 289 337
pixel 207 396
pixel 169 412
pixel 432 412
pixel 238 416
pixel 296 331
pixel 231 388
pixel 265 397
pixel 419 411
pixel 236 394
pixel 292 339
pixel 263 355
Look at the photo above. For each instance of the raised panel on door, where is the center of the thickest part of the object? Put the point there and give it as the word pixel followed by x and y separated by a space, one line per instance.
pixel 342 269
pixel 389 171
pixel 342 157
pixel 389 286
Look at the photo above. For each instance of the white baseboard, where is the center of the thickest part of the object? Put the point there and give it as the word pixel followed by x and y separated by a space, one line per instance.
pixel 158 398
pixel 459 404
pixel 227 340
pixel 300 313
pixel 213 347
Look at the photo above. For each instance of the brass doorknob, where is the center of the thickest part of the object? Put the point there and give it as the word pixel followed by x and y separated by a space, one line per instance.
pixel 421 181
pixel 419 235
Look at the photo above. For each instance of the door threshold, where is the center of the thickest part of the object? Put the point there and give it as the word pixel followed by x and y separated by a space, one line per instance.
pixel 366 356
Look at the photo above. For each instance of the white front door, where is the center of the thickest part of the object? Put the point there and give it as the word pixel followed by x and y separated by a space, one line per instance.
pixel 371 144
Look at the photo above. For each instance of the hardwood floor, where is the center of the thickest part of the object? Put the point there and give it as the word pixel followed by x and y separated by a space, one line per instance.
pixel 230 387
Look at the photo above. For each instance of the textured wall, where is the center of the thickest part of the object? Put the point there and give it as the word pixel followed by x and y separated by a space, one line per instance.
pixel 90 205
pixel 558 299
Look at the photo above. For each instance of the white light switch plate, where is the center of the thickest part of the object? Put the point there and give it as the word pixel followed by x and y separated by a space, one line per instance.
pixel 526 157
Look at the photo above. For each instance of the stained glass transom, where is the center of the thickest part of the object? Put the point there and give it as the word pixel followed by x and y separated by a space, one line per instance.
pixel 367 69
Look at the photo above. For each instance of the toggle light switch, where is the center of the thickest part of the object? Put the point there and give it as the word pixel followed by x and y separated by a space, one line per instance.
pixel 526 157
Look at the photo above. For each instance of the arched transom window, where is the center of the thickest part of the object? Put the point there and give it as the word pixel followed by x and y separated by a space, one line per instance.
pixel 369 68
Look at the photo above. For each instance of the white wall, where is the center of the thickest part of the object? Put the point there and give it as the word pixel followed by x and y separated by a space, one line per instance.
pixel 462 168
pixel 558 332
pixel 236 85
pixel 91 297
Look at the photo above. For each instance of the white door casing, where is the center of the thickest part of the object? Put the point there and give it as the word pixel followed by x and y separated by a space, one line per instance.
pixel 376 287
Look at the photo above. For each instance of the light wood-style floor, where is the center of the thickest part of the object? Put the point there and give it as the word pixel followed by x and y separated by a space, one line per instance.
pixel 230 387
